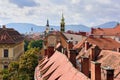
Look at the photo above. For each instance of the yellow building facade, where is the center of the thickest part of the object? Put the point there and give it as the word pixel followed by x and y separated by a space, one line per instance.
pixel 10 52
pixel 11 46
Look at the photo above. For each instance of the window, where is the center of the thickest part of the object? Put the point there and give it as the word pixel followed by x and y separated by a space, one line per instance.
pixel 5 66
pixel 5 52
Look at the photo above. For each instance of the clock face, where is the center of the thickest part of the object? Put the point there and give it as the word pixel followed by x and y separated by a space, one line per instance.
pixel 51 41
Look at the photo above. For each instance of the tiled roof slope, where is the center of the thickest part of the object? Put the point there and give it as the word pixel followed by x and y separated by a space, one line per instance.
pixel 57 67
pixel 102 43
pixel 112 59
pixel 107 31
pixel 9 35
pixel 74 37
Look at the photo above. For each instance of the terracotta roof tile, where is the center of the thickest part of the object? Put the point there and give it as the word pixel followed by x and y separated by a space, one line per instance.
pixel 107 31
pixel 112 59
pixel 9 35
pixel 43 71
pixel 102 43
pixel 61 69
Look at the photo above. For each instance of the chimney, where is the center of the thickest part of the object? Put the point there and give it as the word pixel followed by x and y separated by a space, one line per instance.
pixel 59 47
pixel 86 45
pixel 65 52
pixel 50 51
pixel 72 57
pixel 92 30
pixel 118 49
pixel 45 52
pixel 91 36
pixel 95 71
pixel 109 73
pixel 85 65
pixel 92 54
pixel 70 44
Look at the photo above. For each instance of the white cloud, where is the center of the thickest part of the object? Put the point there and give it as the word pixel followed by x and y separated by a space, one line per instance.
pixel 104 1
pixel 88 12
pixel 75 1
pixel 88 7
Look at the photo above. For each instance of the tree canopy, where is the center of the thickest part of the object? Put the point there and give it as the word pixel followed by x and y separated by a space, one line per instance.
pixel 35 44
pixel 24 68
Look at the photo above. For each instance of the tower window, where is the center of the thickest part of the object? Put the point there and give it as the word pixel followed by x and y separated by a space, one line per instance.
pixel 5 52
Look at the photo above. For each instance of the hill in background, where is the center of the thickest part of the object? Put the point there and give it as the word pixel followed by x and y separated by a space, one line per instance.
pixel 26 27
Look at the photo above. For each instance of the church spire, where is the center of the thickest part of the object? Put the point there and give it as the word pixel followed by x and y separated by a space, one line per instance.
pixel 47 23
pixel 62 24
pixel 47 28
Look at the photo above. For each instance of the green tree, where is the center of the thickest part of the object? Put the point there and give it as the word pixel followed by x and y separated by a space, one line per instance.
pixel 5 74
pixel 14 70
pixel 28 62
pixel 35 44
pixel 24 68
pixel 26 45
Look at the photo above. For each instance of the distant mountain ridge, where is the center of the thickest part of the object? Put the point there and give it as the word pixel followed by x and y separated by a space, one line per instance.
pixel 28 27
pixel 107 25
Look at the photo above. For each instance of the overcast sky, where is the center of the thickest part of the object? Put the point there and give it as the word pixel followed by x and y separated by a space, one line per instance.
pixel 87 12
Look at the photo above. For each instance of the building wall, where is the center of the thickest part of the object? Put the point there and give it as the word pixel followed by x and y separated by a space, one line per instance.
pixel 14 51
pixel 18 50
pixel 64 42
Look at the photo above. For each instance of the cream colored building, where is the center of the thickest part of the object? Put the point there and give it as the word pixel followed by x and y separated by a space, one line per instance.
pixel 11 46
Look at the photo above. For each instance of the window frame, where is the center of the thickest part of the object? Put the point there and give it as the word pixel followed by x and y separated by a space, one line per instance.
pixel 6 53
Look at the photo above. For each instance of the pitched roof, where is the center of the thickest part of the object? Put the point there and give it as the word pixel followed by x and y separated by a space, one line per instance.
pixel 112 59
pixel 107 31
pixel 9 35
pixel 107 58
pixel 58 67
pixel 76 38
pixel 102 43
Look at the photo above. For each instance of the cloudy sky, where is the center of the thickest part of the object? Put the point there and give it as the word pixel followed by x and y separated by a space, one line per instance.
pixel 87 12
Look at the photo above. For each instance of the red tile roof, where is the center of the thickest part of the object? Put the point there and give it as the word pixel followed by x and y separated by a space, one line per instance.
pixel 107 31
pixel 9 35
pixel 112 59
pixel 58 67
pixel 102 43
